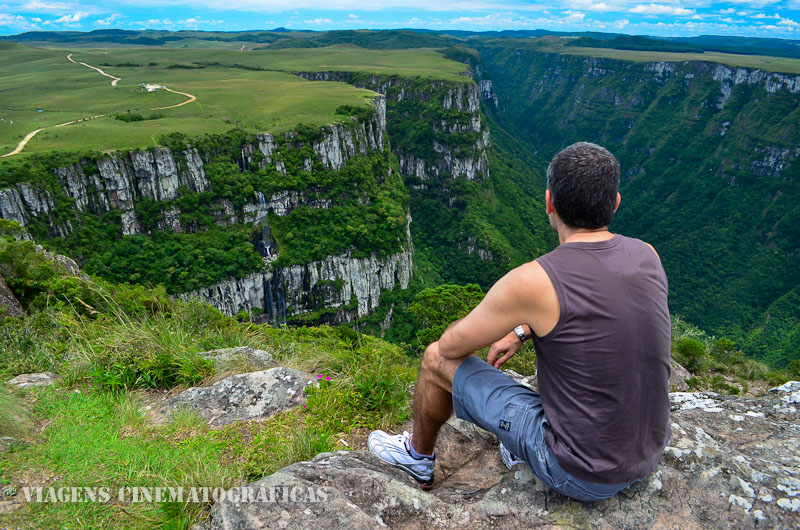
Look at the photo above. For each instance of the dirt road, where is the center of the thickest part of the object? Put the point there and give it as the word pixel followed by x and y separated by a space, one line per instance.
pixel 98 70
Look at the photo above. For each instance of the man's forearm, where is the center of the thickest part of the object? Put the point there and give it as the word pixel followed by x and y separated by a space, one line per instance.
pixel 447 343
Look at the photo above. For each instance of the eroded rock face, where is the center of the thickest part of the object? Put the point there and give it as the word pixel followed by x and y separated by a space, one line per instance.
pixel 333 282
pixel 8 301
pixel 251 396
pixel 677 377
pixel 731 463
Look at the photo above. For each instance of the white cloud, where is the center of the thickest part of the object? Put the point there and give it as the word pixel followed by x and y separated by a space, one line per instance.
pixel 318 21
pixel 788 22
pixel 762 15
pixel 574 16
pixel 71 19
pixel 591 5
pixel 352 16
pixel 153 22
pixel 619 24
pixel 36 5
pixel 109 20
pixel 660 9
pixel 10 20
pixel 728 11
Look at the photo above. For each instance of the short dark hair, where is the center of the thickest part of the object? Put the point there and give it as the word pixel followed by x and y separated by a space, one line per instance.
pixel 583 180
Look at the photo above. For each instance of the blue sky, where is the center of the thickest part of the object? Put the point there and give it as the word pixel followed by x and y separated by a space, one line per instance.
pixel 761 18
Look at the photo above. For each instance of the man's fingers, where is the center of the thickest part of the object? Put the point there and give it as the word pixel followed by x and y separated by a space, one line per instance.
pixel 504 358
pixel 494 351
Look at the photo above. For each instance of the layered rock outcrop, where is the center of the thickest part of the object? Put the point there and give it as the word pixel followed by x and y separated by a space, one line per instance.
pixel 120 180
pixel 241 397
pixel 444 158
pixel 350 286
pixel 731 463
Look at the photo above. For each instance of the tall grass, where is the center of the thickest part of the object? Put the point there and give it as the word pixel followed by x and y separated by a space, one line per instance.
pixel 113 343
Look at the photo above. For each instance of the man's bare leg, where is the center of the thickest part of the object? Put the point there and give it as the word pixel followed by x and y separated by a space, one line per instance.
pixel 433 398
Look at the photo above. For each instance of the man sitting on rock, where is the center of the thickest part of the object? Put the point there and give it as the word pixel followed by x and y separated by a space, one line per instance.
pixel 596 310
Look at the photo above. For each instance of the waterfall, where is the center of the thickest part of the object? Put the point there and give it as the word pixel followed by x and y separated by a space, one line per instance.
pixel 266 242
pixel 244 161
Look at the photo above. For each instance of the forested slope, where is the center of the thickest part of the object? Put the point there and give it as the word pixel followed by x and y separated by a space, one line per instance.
pixel 710 173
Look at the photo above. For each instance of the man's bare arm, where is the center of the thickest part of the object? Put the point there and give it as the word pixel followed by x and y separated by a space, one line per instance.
pixel 510 302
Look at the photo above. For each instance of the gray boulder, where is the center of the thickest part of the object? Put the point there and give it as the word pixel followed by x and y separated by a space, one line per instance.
pixel 9 301
pixel 677 377
pixel 251 396
pixel 731 463
pixel 37 379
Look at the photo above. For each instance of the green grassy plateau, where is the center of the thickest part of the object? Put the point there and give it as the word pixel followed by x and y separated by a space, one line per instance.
pixel 762 62
pixel 250 90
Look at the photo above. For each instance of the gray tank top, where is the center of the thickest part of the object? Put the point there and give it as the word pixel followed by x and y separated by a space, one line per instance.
pixel 604 367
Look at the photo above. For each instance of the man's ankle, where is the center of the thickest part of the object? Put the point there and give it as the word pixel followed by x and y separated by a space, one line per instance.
pixel 414 453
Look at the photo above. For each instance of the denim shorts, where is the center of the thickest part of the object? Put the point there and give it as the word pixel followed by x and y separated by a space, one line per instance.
pixel 492 400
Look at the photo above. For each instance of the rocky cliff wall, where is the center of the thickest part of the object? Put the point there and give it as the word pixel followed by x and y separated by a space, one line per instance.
pixel 339 288
pixel 440 110
pixel 120 180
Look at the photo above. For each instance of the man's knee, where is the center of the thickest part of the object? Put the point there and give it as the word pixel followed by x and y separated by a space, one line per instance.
pixel 431 360
pixel 442 368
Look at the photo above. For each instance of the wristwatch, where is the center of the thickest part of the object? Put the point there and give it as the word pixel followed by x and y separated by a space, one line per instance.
pixel 520 331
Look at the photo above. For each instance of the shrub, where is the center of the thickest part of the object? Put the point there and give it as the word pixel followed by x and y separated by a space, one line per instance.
pixel 436 308
pixel 691 354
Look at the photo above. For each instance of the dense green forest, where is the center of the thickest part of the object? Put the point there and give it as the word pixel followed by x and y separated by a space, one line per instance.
pixel 710 180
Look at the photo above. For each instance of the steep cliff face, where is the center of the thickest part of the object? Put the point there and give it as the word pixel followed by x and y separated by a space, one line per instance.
pixel 709 161
pixel 119 181
pixel 452 141
pixel 159 190
pixel 337 289
pixel 479 221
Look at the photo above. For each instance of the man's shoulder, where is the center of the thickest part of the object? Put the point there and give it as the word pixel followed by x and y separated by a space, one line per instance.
pixel 641 243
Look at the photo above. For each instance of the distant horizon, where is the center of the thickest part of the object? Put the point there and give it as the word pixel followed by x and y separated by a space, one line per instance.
pixel 280 29
pixel 659 18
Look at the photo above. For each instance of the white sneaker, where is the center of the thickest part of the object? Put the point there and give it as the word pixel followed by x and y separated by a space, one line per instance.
pixel 394 450
pixel 509 459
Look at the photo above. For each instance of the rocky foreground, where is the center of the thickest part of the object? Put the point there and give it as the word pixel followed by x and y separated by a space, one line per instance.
pixel 732 462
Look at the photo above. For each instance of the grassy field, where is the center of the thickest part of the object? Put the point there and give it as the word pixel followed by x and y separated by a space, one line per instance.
pixel 272 100
pixel 762 62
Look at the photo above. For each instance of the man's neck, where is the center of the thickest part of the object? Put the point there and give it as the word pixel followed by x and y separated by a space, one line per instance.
pixel 575 235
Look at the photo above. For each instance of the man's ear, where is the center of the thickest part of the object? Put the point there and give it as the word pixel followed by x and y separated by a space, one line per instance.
pixel 548 202
pixel 619 198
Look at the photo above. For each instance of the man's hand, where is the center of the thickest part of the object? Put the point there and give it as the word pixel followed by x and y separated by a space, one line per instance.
pixel 504 349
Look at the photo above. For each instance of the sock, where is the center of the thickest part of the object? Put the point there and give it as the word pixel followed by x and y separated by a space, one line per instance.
pixel 414 453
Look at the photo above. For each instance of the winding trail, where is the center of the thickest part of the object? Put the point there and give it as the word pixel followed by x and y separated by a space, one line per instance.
pixel 28 137
pixel 21 145
pixel 98 70
pixel 190 96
